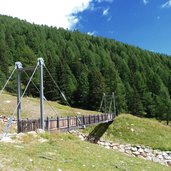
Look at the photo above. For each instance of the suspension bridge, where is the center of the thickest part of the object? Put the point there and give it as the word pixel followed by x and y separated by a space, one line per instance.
pixel 58 123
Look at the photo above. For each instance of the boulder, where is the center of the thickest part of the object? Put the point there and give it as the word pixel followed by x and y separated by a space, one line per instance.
pixel 40 131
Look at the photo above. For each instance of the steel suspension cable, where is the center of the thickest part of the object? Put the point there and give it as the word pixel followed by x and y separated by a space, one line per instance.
pixel 60 90
pixel 12 116
pixel 57 87
pixel 8 80
pixel 44 96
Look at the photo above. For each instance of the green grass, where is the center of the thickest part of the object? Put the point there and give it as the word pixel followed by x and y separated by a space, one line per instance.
pixel 31 107
pixel 130 129
pixel 68 153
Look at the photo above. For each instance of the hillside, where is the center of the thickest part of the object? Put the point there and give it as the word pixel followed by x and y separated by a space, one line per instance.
pixel 65 152
pixel 30 108
pixel 131 129
pixel 86 66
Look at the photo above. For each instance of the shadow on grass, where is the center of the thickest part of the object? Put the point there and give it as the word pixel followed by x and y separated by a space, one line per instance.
pixel 98 132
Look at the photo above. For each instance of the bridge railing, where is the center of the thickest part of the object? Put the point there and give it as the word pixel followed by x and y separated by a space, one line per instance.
pixel 65 123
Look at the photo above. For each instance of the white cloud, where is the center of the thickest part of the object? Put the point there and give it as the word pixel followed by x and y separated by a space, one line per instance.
pixel 109 18
pixel 106 12
pixel 99 1
pixel 145 2
pixel 50 12
pixel 167 4
pixel 92 33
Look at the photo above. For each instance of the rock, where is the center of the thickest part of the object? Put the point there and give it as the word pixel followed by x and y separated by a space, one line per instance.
pixel 132 130
pixel 108 147
pixel 121 146
pixel 128 152
pixel 59 169
pixel 156 160
pixel 167 157
pixel 82 138
pixel 33 133
pixel 168 162
pixel 164 153
pixel 136 153
pixel 107 144
pixel 122 150
pixel 141 157
pixel 115 147
pixel 40 131
pixel 6 140
pixel 160 157
pixel 20 136
pixel 149 158
pixel 101 143
pixel 140 150
pixel 146 150
pixel 42 140
pixel 144 155
pixel 133 148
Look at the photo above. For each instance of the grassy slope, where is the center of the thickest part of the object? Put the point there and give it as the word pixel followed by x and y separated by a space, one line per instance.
pixel 130 129
pixel 31 109
pixel 68 153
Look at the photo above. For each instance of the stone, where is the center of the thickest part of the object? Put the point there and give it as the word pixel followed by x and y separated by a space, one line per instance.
pixel 33 133
pixel 115 147
pixel 108 147
pixel 156 160
pixel 167 157
pixel 6 139
pixel 146 150
pixel 81 137
pixel 164 153
pixel 59 169
pixel 136 153
pixel 144 155
pixel 160 157
pixel 20 135
pixel 149 158
pixel 156 152
pixel 168 162
pixel 128 148
pixel 140 150
pixel 42 140
pixel 133 148
pixel 107 144
pixel 101 143
pixel 121 146
pixel 122 150
pixel 141 157
pixel 115 144
pixel 128 152
pixel 40 131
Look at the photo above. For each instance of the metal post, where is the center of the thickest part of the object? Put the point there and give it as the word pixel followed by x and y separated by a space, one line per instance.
pixel 114 104
pixel 18 65
pixel 105 103
pixel 41 63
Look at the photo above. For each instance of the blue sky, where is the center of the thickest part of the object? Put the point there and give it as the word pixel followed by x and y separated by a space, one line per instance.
pixel 146 24
pixel 142 23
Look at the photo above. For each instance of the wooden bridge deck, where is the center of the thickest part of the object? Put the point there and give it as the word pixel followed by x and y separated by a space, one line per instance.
pixel 65 123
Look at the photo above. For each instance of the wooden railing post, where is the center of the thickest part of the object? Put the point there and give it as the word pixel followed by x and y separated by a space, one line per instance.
pixel 68 120
pixel 47 124
pixel 76 121
pixel 89 119
pixel 57 122
pixel 83 120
